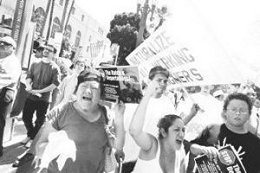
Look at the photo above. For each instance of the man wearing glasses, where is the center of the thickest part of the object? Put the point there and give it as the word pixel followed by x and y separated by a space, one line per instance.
pixel 42 78
pixel 10 71
pixel 236 112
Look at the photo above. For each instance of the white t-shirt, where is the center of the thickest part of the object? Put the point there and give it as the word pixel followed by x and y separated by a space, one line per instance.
pixel 157 108
pixel 10 71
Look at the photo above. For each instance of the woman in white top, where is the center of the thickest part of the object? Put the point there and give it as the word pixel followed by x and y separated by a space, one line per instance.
pixel 163 154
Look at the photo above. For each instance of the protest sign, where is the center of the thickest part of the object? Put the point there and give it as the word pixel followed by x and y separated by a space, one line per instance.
pixel 227 162
pixel 188 48
pixel 121 82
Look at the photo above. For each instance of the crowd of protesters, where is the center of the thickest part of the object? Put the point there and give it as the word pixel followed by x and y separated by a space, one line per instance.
pixel 76 131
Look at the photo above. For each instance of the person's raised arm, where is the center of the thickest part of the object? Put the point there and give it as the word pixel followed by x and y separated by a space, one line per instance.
pixel 142 139
pixel 193 111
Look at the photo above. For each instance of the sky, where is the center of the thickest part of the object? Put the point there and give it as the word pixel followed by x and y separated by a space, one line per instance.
pixel 104 10
pixel 234 23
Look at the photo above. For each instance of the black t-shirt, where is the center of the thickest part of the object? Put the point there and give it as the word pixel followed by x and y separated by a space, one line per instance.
pixel 250 145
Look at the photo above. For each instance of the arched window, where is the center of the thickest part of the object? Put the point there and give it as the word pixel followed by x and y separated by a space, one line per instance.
pixel 39 16
pixel 77 40
pixel 68 31
pixel 56 27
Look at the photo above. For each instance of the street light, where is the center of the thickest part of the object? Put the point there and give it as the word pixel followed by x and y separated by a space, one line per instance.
pixel 144 11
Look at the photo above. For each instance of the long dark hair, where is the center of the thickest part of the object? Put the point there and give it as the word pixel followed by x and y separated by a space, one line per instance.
pixel 165 122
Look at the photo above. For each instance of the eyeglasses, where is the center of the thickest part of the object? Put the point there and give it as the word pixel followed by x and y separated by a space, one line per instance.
pixel 240 111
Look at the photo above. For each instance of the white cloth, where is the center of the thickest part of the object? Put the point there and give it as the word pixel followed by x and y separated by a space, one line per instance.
pixel 153 166
pixel 10 71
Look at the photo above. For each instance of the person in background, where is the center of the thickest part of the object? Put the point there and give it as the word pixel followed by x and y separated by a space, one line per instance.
pixel 53 57
pixel 254 121
pixel 22 94
pixel 10 71
pixel 68 84
pixel 236 112
pixel 42 78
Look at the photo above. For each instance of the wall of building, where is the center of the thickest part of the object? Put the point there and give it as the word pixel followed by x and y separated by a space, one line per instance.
pixel 6 17
pixel 91 31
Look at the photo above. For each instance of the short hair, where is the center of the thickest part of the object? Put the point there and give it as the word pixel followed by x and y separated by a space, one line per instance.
pixel 158 70
pixel 84 76
pixel 238 96
pixel 40 49
pixel 165 122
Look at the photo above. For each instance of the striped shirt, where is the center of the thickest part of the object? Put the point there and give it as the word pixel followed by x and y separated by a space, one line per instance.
pixel 10 71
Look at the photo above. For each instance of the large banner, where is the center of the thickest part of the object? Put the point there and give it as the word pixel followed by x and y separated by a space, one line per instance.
pixel 189 48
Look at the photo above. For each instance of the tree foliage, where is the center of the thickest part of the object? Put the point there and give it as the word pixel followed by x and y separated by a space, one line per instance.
pixel 123 31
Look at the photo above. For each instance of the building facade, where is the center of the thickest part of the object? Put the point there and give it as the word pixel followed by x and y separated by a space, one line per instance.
pixel 81 32
pixel 7 10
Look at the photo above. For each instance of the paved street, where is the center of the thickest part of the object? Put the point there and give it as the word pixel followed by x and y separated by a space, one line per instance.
pixel 12 148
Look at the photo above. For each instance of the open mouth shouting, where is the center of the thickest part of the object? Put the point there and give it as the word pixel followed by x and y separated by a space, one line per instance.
pixel 179 141
pixel 86 98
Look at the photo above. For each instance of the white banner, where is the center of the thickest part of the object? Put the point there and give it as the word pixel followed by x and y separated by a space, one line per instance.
pixel 188 46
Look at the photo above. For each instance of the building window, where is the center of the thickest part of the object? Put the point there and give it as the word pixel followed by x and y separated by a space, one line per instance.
pixel 56 27
pixel 0 2
pixel 68 31
pixel 82 18
pixel 73 10
pixel 77 40
pixel 39 16
pixel 61 2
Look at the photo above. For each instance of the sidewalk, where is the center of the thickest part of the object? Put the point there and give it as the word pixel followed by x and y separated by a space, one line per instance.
pixel 13 148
